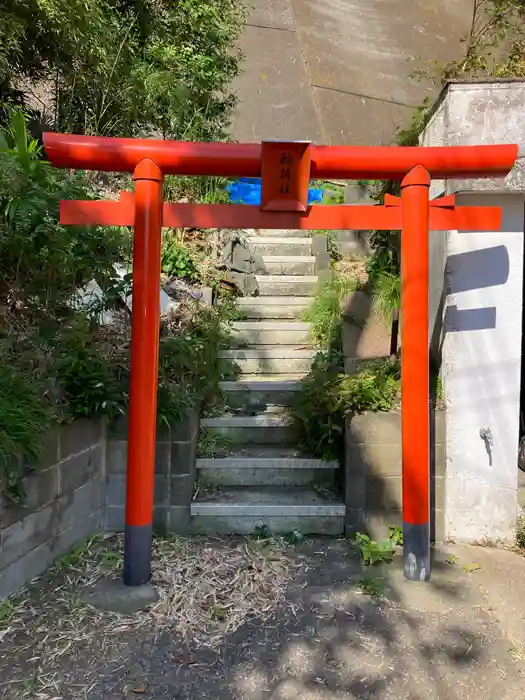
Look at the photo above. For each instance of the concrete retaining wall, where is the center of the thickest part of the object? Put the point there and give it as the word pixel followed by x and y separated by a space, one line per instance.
pixel 79 490
pixel 64 504
pixel 372 473
pixel 175 471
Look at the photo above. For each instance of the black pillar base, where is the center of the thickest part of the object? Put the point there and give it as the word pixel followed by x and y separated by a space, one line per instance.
pixel 137 554
pixel 416 552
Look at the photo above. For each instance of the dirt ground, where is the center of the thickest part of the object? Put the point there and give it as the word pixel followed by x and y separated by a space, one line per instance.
pixel 256 620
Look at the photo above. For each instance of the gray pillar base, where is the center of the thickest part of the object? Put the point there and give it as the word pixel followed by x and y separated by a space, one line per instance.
pixel 416 552
pixel 137 554
pixel 116 597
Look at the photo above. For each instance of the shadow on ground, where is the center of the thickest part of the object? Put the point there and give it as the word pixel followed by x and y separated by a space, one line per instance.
pixel 331 641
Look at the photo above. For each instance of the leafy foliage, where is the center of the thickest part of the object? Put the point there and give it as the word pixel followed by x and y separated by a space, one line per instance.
pixel 374 552
pixel 42 261
pixel 23 419
pixel 123 68
pixel 329 397
pixel 494 47
pixel 177 260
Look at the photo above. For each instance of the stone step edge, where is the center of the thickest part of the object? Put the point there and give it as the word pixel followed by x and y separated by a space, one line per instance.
pixel 246 422
pixel 280 240
pixel 262 352
pixel 276 279
pixel 291 385
pixel 261 509
pixel 273 301
pixel 264 463
pixel 271 325
pixel 288 258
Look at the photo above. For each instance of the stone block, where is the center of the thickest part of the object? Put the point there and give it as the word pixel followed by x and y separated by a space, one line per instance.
pixel 24 570
pixel 181 490
pixel 437 491
pixel 64 540
pixel 440 426
pixel 380 460
pixel 77 470
pixel 78 436
pixel 119 428
pixel 162 457
pixel 383 493
pixel 161 519
pixel 162 490
pixel 40 488
pixel 116 490
pixel 179 520
pixel 186 429
pixel 115 518
pixel 116 456
pixel 183 456
pixel 378 522
pixel 25 535
pixel 355 521
pixel 78 504
pixel 376 429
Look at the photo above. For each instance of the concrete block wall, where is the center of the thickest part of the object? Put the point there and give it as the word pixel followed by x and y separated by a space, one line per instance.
pixel 175 472
pixel 64 504
pixel 372 473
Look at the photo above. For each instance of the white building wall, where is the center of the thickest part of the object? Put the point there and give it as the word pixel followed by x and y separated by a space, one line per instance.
pixel 476 312
pixel 481 365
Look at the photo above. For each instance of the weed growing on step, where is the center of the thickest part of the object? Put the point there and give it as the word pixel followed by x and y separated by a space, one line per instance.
pixel 325 312
pixel 212 444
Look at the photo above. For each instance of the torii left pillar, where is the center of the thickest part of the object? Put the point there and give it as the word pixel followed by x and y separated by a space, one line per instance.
pixel 144 372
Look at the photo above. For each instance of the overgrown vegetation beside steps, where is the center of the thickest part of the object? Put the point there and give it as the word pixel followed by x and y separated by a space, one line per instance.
pixel 58 363
pixel 329 397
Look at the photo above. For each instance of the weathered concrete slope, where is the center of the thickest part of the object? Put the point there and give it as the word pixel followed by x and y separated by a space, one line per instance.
pixel 337 71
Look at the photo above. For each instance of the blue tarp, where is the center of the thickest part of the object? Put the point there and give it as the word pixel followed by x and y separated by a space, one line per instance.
pixel 247 190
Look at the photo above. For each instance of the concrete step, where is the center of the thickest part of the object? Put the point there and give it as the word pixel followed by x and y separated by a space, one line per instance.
pixel 260 429
pixel 289 264
pixel 279 233
pixel 271 332
pixel 287 285
pixel 240 510
pixel 266 471
pixel 274 245
pixel 273 307
pixel 271 359
pixel 262 390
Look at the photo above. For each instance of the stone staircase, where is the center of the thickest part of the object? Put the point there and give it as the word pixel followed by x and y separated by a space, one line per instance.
pixel 266 481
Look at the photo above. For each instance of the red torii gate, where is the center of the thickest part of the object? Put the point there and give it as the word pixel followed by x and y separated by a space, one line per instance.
pixel 285 168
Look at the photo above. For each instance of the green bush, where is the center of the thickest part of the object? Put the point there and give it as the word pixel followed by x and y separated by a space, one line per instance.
pixel 43 262
pixel 126 68
pixel 24 416
pixel 329 397
pixel 177 260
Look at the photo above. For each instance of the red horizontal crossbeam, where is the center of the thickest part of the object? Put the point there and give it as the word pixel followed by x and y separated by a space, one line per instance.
pixel 366 217
pixel 244 159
